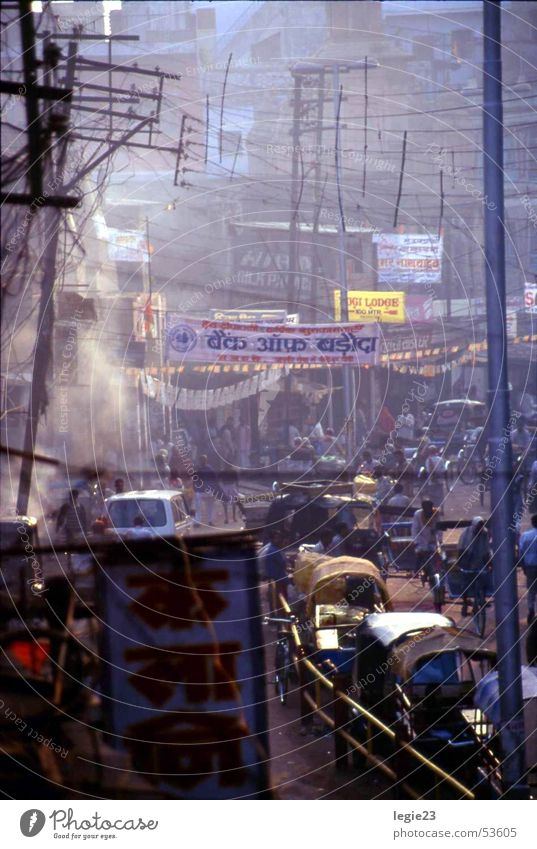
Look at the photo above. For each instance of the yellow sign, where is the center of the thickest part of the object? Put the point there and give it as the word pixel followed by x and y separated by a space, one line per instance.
pixel 383 307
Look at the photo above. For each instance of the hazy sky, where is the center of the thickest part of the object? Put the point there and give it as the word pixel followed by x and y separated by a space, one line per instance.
pixel 227 11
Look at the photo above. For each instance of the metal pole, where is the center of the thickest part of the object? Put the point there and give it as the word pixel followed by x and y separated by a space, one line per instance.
pixel 506 597
pixel 347 398
pixel 293 234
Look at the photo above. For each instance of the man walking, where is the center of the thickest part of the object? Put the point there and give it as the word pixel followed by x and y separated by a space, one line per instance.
pixel 528 556
pixel 475 558
pixel 274 568
pixel 206 488
pixel 426 536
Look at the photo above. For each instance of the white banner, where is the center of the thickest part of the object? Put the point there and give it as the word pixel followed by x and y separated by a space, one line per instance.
pixel 195 340
pixel 405 258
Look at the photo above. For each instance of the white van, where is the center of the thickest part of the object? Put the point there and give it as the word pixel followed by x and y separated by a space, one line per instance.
pixel 148 513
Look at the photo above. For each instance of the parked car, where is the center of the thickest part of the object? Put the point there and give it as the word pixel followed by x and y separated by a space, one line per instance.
pixel 450 420
pixel 149 513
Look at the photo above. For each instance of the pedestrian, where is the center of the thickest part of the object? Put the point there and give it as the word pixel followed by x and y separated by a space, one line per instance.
pixel 274 568
pixel 404 425
pixel 316 434
pixel 474 557
pixel 426 535
pixel 331 444
pixel 245 443
pixel 230 492
pixel 402 472
pixel 339 544
pixel 521 440
pixel 531 497
pixel 385 422
pixel 324 545
pixel 384 485
pixel 528 557
pixel 398 499
pixel 161 467
pixel 71 522
pixel 119 486
pixel 367 464
pixel 292 435
pixel 228 442
pixel 435 469
pixel 207 489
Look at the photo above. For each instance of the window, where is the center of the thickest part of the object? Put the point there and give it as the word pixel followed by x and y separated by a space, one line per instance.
pixel 122 513
pixel 178 510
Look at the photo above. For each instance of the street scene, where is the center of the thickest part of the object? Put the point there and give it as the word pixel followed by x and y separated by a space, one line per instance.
pixel 268 418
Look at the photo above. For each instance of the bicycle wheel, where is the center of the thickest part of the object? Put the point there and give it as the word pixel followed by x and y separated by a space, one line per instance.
pixel 281 675
pixel 480 620
pixel 468 472
pixel 438 592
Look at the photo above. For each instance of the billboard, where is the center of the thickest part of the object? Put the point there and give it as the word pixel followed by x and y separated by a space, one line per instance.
pixel 125 246
pixel 196 340
pixel 404 259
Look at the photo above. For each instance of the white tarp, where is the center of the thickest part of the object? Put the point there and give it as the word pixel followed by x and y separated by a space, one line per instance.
pixel 208 399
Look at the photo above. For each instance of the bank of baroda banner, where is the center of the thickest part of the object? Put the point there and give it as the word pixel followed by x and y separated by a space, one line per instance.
pixel 195 340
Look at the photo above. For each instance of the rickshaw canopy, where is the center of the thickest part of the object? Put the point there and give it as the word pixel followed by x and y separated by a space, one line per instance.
pixel 389 628
pixel 329 580
pixel 436 641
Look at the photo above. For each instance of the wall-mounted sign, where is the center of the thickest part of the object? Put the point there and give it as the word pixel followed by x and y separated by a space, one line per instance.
pixel 407 258
pixel 419 308
pixel 257 316
pixel 125 246
pixel 530 297
pixel 265 267
pixel 382 307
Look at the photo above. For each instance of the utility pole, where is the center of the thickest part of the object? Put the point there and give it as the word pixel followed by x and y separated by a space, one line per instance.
pixel 45 321
pixel 293 231
pixel 348 400
pixel 310 68
pixel 503 539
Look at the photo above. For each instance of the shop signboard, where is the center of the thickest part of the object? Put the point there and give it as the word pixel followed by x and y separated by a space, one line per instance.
pixel 258 316
pixel 381 307
pixel 530 297
pixel 184 688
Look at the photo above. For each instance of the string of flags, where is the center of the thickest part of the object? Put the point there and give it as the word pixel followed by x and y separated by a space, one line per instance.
pixel 469 355
pixel 398 361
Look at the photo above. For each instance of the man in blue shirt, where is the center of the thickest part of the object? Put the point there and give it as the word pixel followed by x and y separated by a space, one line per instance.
pixel 528 556
pixel 275 567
